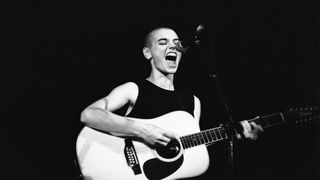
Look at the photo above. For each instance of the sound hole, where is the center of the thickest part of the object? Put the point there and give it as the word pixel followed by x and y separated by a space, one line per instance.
pixel 170 151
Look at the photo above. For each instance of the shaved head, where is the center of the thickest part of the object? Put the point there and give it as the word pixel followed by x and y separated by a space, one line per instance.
pixel 149 36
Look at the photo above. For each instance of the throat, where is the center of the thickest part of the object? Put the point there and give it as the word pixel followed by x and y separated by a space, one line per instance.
pixel 163 83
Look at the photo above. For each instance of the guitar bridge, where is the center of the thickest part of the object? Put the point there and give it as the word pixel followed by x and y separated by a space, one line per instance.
pixel 131 157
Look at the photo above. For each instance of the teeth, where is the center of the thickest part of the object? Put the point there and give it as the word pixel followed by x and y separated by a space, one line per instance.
pixel 171 54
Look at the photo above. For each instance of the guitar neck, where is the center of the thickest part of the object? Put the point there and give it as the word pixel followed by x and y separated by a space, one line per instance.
pixel 204 137
pixel 219 133
pixel 270 120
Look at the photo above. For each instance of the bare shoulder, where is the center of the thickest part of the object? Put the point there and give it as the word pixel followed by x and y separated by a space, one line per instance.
pixel 125 92
pixel 196 99
pixel 131 85
pixel 128 88
pixel 197 108
pixel 197 102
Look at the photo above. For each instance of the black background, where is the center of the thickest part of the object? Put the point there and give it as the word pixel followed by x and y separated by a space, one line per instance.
pixel 57 57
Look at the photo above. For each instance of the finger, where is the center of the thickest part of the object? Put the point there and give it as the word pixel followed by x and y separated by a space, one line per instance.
pixel 256 128
pixel 171 135
pixel 246 126
pixel 164 139
pixel 246 129
pixel 161 143
pixel 238 136
pixel 259 127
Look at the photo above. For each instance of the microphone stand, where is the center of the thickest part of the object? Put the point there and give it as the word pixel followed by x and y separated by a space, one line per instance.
pixel 212 73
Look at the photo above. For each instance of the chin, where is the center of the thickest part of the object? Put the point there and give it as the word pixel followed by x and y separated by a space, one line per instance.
pixel 172 72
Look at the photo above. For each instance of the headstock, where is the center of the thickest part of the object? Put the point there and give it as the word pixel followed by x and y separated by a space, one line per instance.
pixel 307 116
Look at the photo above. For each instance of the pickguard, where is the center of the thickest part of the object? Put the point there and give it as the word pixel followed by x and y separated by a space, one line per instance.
pixel 157 169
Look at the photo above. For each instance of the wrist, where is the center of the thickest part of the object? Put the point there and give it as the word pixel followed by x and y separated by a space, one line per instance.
pixel 134 128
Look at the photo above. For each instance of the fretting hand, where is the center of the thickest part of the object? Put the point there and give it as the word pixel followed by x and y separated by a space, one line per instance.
pixel 250 130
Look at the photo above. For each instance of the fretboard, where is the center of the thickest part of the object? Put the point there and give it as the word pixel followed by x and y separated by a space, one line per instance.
pixel 204 137
pixel 270 120
pixel 216 134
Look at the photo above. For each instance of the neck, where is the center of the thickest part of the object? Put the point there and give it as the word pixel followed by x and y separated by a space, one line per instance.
pixel 165 82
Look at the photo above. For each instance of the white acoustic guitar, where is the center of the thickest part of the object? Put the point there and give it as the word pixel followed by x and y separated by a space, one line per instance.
pixel 103 156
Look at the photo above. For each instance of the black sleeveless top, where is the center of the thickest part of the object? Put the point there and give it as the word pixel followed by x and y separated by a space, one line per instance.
pixel 153 101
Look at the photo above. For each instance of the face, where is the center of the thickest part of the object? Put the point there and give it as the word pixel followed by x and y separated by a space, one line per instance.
pixel 161 50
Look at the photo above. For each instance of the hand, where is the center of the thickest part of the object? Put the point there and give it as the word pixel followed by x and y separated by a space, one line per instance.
pixel 155 135
pixel 250 130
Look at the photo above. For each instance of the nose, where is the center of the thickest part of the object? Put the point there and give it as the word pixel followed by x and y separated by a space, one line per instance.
pixel 172 45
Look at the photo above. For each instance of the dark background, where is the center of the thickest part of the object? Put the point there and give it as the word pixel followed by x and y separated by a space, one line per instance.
pixel 57 57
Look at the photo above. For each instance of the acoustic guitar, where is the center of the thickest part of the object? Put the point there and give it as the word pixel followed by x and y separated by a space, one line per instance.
pixel 103 156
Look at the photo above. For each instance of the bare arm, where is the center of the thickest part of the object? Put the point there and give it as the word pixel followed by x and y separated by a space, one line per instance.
pixel 100 115
pixel 197 108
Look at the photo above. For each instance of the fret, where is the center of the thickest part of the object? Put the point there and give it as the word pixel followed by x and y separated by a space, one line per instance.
pixel 204 137
pixel 208 136
pixel 198 135
pixel 194 139
pixel 189 140
pixel 263 122
pixel 270 120
pixel 223 133
pixel 217 134
pixel 199 138
pixel 185 142
pixel 212 133
pixel 273 119
pixel 205 140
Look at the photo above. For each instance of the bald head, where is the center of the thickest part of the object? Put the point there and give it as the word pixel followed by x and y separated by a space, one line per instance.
pixel 149 37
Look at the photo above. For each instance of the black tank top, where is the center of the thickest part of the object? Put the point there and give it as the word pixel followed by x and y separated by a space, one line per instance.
pixel 153 101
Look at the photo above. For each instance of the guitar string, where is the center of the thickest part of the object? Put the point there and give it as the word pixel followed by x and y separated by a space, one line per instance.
pixel 206 137
pixel 201 138
pixel 193 139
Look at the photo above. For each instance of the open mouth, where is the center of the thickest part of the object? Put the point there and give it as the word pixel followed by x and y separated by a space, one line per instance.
pixel 171 56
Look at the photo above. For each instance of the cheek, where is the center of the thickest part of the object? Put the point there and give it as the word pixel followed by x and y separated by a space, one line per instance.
pixel 159 55
pixel 179 58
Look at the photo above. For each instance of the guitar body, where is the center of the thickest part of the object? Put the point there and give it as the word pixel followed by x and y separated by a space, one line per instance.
pixel 101 156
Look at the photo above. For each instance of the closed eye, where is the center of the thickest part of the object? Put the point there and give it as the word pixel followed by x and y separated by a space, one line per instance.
pixel 163 41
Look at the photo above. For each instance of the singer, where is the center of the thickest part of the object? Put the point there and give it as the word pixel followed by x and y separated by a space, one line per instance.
pixel 154 109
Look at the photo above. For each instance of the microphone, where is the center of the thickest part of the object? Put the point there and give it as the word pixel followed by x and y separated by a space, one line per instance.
pixel 183 46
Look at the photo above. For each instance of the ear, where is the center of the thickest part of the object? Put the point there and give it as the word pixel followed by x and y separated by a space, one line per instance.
pixel 146 52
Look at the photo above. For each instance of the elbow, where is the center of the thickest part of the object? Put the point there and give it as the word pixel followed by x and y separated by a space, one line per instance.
pixel 85 116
